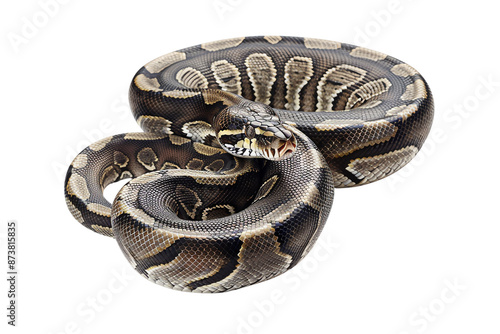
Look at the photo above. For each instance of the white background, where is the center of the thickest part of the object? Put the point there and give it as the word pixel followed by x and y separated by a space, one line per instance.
pixel 415 253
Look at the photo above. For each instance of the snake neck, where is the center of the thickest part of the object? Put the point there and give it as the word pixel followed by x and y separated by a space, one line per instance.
pixel 215 117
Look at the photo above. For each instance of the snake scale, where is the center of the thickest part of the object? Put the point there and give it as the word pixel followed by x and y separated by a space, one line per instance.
pixel 244 141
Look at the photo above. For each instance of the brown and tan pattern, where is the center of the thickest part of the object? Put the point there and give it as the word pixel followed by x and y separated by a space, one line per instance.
pixel 315 43
pixel 180 94
pixel 100 144
pixel 223 44
pixel 147 157
pixel 245 140
pixel 161 63
pixel 334 81
pixel 360 52
pixel 403 70
pixel 368 91
pixel 273 39
pixel 155 124
pixel 371 169
pixel 227 76
pixel 191 78
pixel 147 84
pixel 415 91
pixel 298 72
pixel 198 130
pixel 262 73
pixel 80 161
pixel 77 186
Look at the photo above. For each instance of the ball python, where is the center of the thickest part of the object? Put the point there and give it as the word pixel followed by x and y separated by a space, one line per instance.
pixel 244 141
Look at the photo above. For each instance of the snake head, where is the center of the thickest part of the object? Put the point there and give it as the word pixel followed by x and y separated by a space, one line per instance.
pixel 253 130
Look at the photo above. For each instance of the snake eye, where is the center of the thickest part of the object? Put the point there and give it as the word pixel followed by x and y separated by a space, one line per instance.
pixel 249 131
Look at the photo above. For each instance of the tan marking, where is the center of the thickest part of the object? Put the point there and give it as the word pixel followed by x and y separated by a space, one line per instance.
pixel 207 150
pixel 126 175
pixel 361 52
pixel 315 158
pixel 334 81
pixel 403 111
pixel 246 143
pixel 215 166
pixel 107 231
pixel 415 91
pixel 211 96
pixel 370 104
pixel 163 240
pixel 159 64
pixel 403 70
pixel 180 94
pixel 144 136
pixel 229 132
pixel 222 211
pixel 80 161
pixel 266 188
pixel 147 84
pixel 198 131
pixel 77 186
pixel 370 169
pixel 316 43
pixel 169 165
pixel 262 74
pixel 298 72
pixel 195 164
pixel 243 167
pixel 273 39
pixel 368 91
pixel 223 44
pixel 191 265
pixel 178 140
pixel 99 209
pixel 313 197
pixel 333 124
pixel 340 180
pixel 191 206
pixel 191 78
pixel 142 216
pixel 227 76
pixel 74 211
pixel 108 176
pixel 359 136
pixel 120 159
pixel 154 124
pixel 147 157
pixel 99 145
pixel 122 207
pixel 221 180
pixel 146 242
pixel 258 242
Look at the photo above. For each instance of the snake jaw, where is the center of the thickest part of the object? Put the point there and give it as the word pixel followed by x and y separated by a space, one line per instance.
pixel 253 130
pixel 280 149
pixel 277 150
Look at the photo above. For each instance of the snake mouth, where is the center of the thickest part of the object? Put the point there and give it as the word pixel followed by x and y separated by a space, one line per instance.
pixel 280 150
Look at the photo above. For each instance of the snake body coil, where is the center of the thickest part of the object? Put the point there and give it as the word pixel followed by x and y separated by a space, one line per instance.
pixel 202 212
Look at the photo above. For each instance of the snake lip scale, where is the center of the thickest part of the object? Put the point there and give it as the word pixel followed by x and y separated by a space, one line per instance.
pixel 244 141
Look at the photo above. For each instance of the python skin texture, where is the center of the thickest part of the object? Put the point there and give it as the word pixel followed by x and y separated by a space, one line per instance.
pixel 244 141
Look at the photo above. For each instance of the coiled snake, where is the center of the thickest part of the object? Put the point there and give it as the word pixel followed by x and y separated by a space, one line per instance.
pixel 197 214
